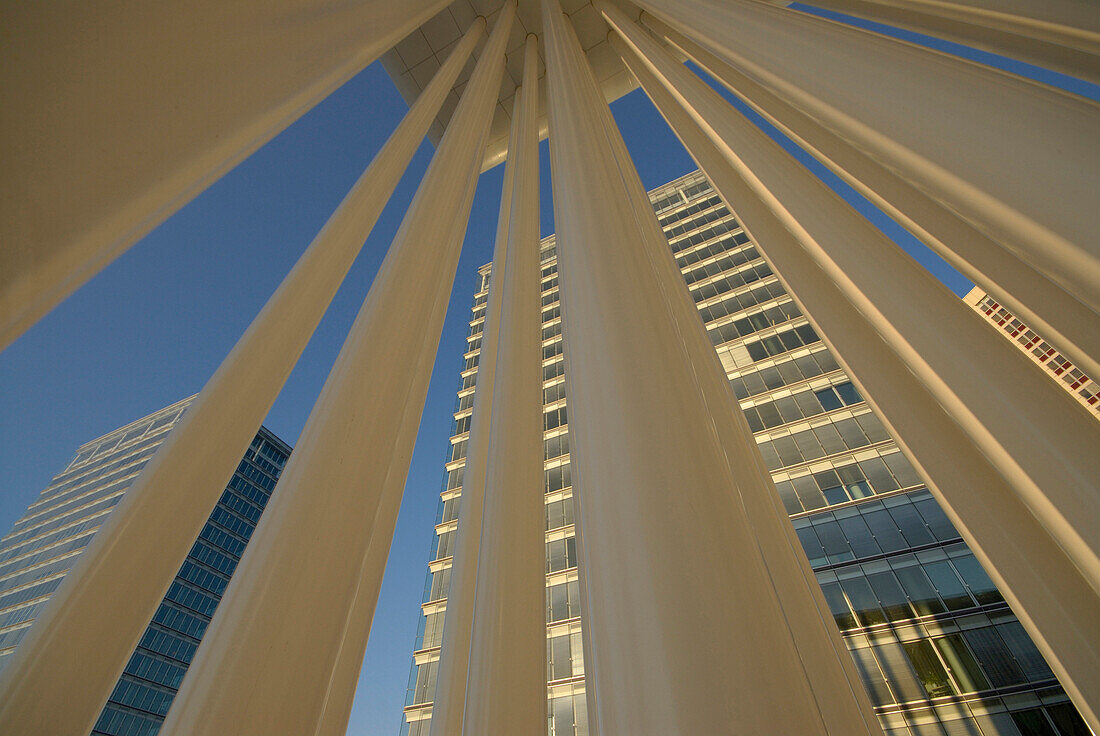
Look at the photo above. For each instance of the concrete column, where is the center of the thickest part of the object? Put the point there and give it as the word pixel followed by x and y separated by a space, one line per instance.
pixel 891 324
pixel 279 653
pixel 125 113
pixel 1045 306
pixel 506 681
pixel 139 550
pixel 1015 159
pixel 1063 35
pixel 450 689
pixel 689 631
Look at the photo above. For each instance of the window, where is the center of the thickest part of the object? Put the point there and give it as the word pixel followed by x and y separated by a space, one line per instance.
pixel 557 446
pixel 563 601
pixel 553 393
pixel 559 513
pixel 558 478
pixel 561 554
pixel 554 418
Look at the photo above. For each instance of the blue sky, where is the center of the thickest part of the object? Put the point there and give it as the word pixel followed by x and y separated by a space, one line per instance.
pixel 154 325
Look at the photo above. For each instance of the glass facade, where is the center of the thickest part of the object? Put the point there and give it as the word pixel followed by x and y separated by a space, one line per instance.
pixel 47 541
pixel 936 645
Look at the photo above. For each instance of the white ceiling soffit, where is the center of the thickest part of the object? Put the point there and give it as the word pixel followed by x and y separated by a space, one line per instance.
pixel 412 62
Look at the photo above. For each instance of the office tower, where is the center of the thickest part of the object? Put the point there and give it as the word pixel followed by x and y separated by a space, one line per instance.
pixel 48 540
pixel 1070 377
pixel 937 646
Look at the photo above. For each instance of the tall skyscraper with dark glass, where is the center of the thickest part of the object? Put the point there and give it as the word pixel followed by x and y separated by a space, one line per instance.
pixel 47 541
pixel 938 648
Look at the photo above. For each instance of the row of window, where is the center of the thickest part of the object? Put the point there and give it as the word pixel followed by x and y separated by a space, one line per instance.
pixel 63 551
pixel 802 405
pixel 701 236
pixel 700 221
pixel 567 716
pixel 553 393
pixel 819 442
pixel 556 447
pixel 29 593
pixel 874 528
pixel 564 656
pixel 697 190
pixel 123 465
pixel 687 258
pixel 192 598
pixel 781 342
pixel 782 374
pixel 847 483
pixel 554 418
pixel 554 348
pixel 754 322
pixel 126 474
pixel 929 582
pixel 731 260
pixel 180 621
pixel 148 667
pixel 689 211
pixel 553 370
pixel 969 661
pixel 735 280
pixel 142 697
pixel 115 721
pixel 65 533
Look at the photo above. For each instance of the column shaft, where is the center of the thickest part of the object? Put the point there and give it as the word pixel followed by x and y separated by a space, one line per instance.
pixel 126 113
pixel 450 690
pixel 506 684
pixel 667 482
pixel 1001 28
pixel 139 550
pixel 1015 159
pixel 1042 304
pixel 1063 35
pixel 297 612
pixel 888 319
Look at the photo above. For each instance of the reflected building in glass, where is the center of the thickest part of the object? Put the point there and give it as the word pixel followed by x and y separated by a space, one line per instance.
pixel 938 648
pixel 48 540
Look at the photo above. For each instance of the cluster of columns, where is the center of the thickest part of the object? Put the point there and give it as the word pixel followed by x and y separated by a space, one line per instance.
pixel 699 603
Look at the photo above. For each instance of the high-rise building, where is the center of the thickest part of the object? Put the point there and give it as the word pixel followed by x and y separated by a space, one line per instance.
pixel 938 648
pixel 1070 377
pixel 48 540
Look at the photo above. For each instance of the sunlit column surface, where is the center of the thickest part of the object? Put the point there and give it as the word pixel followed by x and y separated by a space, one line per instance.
pixel 117 116
pixel 886 317
pixel 1063 35
pixel 450 692
pixel 506 685
pixel 1061 317
pixel 687 632
pixel 149 533
pixel 279 652
pixel 1015 159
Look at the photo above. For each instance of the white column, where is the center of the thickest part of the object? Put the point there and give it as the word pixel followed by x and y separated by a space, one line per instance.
pixel 120 115
pixel 506 681
pixel 1040 303
pixel 892 325
pixel 139 550
pixel 1063 35
pixel 691 613
pixel 450 689
pixel 1015 159
pixel 277 656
